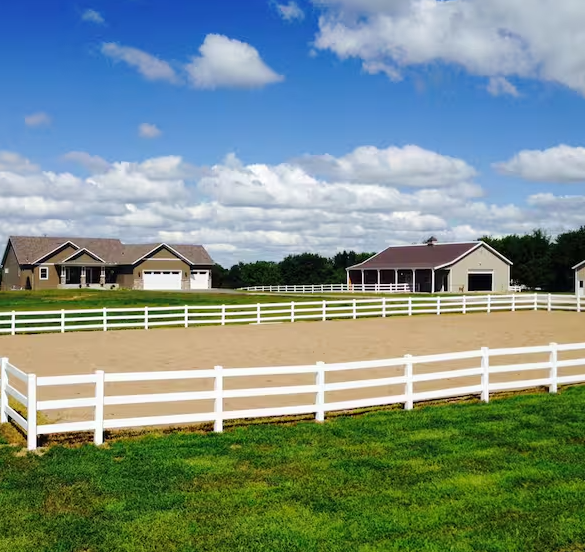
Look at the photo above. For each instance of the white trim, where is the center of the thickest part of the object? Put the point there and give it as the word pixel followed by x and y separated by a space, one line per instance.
pixel 91 254
pixel 168 247
pixel 41 268
pixel 480 271
pixel 163 259
pixel 578 265
pixel 54 251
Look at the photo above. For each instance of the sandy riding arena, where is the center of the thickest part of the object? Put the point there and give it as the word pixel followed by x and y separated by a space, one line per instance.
pixel 274 345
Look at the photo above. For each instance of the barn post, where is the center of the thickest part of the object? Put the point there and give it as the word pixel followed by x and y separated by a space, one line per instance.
pixel 395 279
pixel 414 280
pixel 432 280
pixel 363 279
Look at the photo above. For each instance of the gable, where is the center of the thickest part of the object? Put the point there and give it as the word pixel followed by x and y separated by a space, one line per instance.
pixel 83 256
pixel 62 253
pixel 163 253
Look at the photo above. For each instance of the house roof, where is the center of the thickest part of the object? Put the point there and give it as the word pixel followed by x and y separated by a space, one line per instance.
pixel 30 249
pixel 438 255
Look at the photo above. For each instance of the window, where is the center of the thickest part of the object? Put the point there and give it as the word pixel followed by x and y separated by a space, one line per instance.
pixel 6 271
pixel 44 273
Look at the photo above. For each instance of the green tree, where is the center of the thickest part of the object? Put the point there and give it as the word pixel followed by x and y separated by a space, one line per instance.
pixel 568 251
pixel 306 268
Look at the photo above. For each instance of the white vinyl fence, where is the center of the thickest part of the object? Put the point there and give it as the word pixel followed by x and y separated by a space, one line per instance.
pixel 105 319
pixel 334 288
pixel 319 389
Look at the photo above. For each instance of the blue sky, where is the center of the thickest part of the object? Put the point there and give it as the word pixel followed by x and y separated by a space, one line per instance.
pixel 276 127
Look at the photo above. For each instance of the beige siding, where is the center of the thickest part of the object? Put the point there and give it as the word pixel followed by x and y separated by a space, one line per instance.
pixel 480 259
pixel 53 281
pixel 60 255
pixel 579 277
pixel 11 273
pixel 163 253
pixel 84 258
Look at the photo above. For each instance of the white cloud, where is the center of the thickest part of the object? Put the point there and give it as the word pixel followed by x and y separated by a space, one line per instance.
pixel 228 63
pixel 499 86
pixel 37 119
pixel 559 164
pixel 93 17
pixel 290 11
pixel 93 163
pixel 407 166
pixel 147 130
pixel 258 211
pixel 149 66
pixel 542 40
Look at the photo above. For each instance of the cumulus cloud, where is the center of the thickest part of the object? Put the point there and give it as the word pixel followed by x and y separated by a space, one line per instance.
pixel 407 166
pixel 290 11
pixel 230 63
pixel 563 163
pixel 93 16
pixel 93 163
pixel 37 119
pixel 147 130
pixel 243 211
pixel 149 66
pixel 496 39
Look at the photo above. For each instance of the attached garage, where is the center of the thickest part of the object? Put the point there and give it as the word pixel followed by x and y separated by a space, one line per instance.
pixel 162 279
pixel 480 281
pixel 200 279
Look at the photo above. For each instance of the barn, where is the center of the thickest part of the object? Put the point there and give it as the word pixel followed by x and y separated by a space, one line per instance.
pixel 436 267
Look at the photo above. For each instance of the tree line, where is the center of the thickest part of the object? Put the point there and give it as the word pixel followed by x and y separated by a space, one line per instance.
pixel 540 261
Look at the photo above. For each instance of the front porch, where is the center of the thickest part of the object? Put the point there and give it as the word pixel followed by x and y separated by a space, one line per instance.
pixel 87 276
pixel 419 280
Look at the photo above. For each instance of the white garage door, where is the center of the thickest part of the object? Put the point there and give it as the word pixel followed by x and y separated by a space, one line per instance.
pixel 199 279
pixel 161 279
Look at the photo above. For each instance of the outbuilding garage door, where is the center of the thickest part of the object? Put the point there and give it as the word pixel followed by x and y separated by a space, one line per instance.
pixel 161 279
pixel 480 281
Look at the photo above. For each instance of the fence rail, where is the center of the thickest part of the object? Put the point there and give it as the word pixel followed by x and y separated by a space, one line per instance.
pixel 106 319
pixel 405 381
pixel 334 288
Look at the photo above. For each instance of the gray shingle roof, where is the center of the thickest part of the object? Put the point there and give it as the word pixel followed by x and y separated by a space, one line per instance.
pixel 29 249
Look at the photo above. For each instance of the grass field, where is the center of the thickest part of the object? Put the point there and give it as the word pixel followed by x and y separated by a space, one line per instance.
pixel 507 476
pixel 92 299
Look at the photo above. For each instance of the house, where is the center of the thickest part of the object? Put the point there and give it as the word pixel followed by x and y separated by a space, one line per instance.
pixel 436 267
pixel 60 263
pixel 579 278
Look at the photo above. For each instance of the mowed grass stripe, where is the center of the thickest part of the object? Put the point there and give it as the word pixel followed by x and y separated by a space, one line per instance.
pixel 505 476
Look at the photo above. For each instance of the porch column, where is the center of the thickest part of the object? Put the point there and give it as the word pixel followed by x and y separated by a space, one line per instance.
pixel 63 276
pixel 363 279
pixel 432 280
pixel 395 278
pixel 102 276
pixel 82 281
pixel 379 281
pixel 414 280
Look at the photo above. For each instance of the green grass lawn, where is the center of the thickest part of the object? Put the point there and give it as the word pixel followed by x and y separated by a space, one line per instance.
pixel 92 299
pixel 508 476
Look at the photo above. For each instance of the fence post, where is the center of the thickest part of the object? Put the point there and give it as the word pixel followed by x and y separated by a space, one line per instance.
pixel 258 314
pixel 553 358
pixel 489 304
pixel 409 385
pixel 485 375
pixel 410 306
pixel 105 319
pixel 438 305
pixel 146 318
pixel 62 320
pixel 324 310
pixel 578 303
pixel 320 396
pixel 218 402
pixel 536 301
pixel 3 393
pixel 464 304
pixel 513 302
pixel 98 436
pixel 292 311
pixel 31 412
pixel 549 303
pixel 223 315
pixel 186 316
pixel 383 307
pixel 354 309
pixel 13 323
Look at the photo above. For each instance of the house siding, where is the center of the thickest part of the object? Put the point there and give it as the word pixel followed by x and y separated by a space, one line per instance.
pixel 480 259
pixel 59 255
pixel 53 281
pixel 164 253
pixel 84 259
pixel 579 276
pixel 12 279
